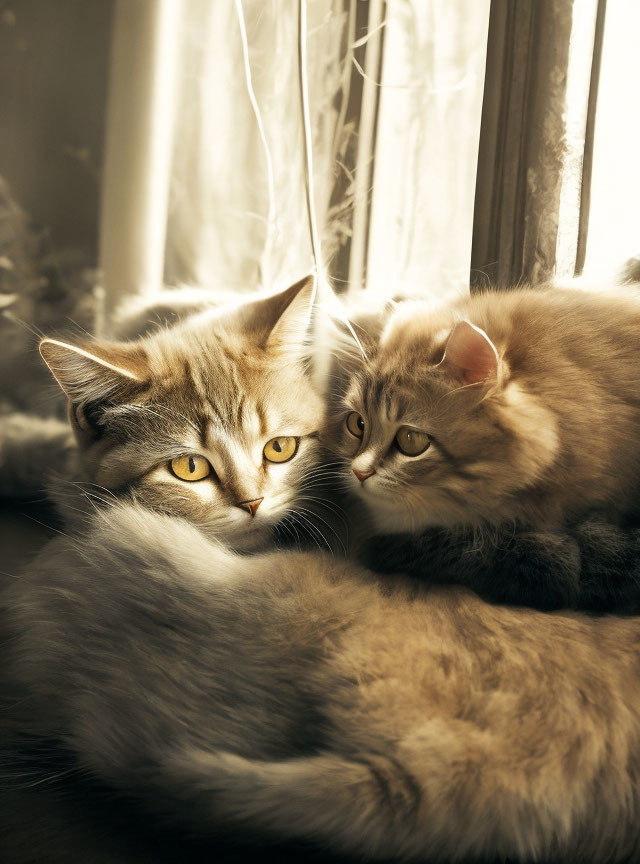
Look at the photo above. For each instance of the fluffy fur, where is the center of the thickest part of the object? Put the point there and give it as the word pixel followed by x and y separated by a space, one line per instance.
pixel 546 432
pixel 533 421
pixel 289 692
pixel 292 693
pixel 592 565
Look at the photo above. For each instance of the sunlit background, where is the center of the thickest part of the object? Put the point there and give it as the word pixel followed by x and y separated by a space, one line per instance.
pixel 162 142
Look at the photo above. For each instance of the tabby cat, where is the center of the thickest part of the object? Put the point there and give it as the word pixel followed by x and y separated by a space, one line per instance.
pixel 214 419
pixel 224 394
pixel 497 443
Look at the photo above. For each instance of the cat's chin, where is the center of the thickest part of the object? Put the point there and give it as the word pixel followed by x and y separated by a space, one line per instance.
pixel 388 516
pixel 250 539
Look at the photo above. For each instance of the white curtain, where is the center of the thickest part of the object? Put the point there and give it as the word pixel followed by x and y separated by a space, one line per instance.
pixel 614 225
pixel 187 180
pixel 427 146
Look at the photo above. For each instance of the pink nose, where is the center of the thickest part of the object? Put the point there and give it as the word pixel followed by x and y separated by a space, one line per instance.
pixel 250 506
pixel 362 475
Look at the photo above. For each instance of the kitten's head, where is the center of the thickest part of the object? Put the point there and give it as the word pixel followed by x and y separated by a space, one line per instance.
pixel 214 420
pixel 434 429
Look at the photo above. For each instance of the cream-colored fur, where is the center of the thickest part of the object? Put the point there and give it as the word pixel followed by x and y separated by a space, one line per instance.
pixel 290 693
pixel 547 433
pixel 294 694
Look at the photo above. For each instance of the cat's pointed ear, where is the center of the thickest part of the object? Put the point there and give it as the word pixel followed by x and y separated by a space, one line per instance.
pixel 470 355
pixel 108 370
pixel 280 322
pixel 293 313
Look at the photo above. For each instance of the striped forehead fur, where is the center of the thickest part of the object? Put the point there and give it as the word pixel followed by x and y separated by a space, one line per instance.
pixel 230 377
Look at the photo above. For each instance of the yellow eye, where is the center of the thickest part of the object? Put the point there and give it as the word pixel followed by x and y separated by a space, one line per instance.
pixel 190 468
pixel 355 424
pixel 281 449
pixel 412 442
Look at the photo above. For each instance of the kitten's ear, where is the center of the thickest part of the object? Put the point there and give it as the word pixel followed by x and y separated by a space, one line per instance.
pixel 97 374
pixel 470 355
pixel 280 322
pixel 107 372
pixel 292 321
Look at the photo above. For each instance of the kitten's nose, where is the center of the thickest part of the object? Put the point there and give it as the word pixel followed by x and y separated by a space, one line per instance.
pixel 362 475
pixel 251 506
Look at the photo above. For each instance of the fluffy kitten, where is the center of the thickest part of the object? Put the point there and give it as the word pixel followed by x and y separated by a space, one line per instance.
pixel 214 419
pixel 289 693
pixel 509 419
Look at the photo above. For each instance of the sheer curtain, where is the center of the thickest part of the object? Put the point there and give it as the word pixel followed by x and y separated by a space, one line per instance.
pixel 427 147
pixel 204 177
pixel 614 224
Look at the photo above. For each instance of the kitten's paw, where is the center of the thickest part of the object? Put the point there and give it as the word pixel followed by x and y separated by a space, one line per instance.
pixel 388 553
pixel 610 575
pixel 539 569
pixel 433 555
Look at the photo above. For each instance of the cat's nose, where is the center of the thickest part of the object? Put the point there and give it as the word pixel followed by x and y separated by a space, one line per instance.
pixel 362 475
pixel 251 506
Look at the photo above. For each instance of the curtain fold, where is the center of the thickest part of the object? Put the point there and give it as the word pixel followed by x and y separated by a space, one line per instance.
pixel 427 147
pixel 219 225
pixel 590 123
pixel 139 135
pixel 523 143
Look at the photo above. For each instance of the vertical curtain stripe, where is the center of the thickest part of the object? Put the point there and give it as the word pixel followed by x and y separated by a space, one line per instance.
pixel 587 163
pixel 139 138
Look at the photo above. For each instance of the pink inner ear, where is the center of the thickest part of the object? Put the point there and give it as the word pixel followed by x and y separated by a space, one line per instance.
pixel 470 354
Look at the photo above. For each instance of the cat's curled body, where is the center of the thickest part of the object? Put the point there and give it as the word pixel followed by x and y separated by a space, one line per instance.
pixel 292 693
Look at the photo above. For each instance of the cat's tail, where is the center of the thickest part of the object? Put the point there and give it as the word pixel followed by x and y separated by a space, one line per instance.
pixel 368 806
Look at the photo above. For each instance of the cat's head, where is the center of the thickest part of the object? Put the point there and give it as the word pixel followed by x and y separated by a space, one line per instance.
pixel 214 420
pixel 435 430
